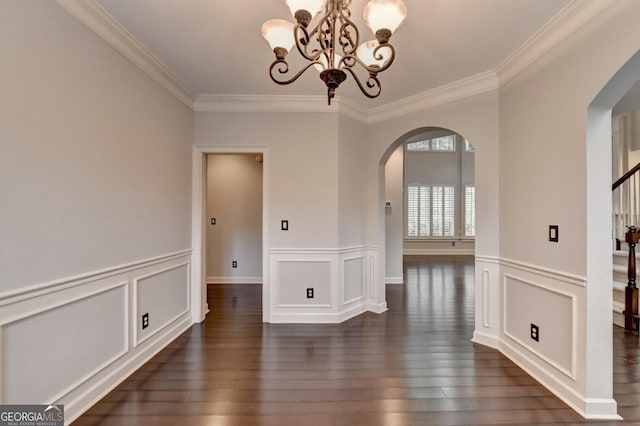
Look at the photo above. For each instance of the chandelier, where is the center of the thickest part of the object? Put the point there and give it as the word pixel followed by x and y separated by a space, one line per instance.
pixel 332 45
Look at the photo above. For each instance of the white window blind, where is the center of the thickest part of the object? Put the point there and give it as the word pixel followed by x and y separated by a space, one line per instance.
pixel 430 211
pixel 469 211
pixel 440 144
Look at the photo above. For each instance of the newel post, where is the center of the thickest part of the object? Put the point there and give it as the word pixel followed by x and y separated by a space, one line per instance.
pixel 632 237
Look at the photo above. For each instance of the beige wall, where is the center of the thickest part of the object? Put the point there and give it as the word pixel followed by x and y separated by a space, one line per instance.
pixel 95 156
pixel 95 189
pixel 234 199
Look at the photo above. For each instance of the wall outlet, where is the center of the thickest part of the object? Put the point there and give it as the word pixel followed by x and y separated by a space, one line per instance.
pixel 234 264
pixel 310 293
pixel 145 320
pixel 535 332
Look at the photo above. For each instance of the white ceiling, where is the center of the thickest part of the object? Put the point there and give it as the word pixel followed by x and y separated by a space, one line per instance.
pixel 215 46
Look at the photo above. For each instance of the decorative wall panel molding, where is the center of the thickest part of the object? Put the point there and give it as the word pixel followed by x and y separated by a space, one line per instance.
pixel 71 341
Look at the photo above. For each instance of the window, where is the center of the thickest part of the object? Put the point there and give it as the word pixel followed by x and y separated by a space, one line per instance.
pixel 468 147
pixel 430 211
pixel 469 211
pixel 440 144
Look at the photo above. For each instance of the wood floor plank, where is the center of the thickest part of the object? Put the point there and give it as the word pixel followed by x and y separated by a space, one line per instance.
pixel 412 365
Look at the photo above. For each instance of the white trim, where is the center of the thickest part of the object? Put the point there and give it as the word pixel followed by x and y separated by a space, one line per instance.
pixel 75 408
pixel 576 280
pixel 488 259
pixel 233 280
pixel 98 20
pixel 327 251
pixel 394 280
pixel 577 402
pixel 137 340
pixel 571 373
pixel 486 297
pixel 199 304
pixel 572 17
pixel 465 88
pixel 323 318
pixel 485 339
pixel 262 103
pixel 278 103
pixel 6 322
pixel 18 295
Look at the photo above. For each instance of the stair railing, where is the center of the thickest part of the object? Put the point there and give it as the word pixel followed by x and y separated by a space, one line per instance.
pixel 626 203
pixel 626 199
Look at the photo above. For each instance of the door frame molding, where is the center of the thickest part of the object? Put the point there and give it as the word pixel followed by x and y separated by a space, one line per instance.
pixel 199 305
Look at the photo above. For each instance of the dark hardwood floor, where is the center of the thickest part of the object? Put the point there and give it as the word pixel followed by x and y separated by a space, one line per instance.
pixel 413 365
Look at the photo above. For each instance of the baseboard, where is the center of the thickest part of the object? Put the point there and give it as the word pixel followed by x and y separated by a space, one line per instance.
pixel 377 309
pixel 602 409
pixel 485 339
pixel 100 389
pixel 618 314
pixel 394 280
pixel 305 318
pixel 234 280
pixel 353 311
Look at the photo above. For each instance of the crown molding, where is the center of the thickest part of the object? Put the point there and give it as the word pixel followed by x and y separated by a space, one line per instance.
pixel 262 103
pixel 458 90
pixel 573 16
pixel 277 103
pixel 91 14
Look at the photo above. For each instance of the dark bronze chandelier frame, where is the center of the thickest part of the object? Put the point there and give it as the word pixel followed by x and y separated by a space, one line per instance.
pixel 335 31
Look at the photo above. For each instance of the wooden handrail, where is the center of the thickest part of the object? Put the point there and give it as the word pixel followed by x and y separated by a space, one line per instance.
pixel 626 176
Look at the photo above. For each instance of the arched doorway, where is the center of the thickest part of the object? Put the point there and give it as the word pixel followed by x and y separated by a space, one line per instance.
pixel 429 199
pixel 599 314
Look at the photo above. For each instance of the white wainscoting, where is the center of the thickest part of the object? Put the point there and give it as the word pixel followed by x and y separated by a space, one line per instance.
pixel 553 311
pixel 341 279
pixel 73 340
pixel 552 300
pixel 487 293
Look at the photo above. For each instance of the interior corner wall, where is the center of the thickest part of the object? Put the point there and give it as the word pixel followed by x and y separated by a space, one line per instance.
pixel 544 181
pixel 95 187
pixel 234 200
pixel 352 202
pixel 394 216
pixel 309 186
pixel 303 169
pixel 476 119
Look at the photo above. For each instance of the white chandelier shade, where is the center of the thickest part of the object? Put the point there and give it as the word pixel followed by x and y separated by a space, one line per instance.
pixel 279 33
pixel 311 6
pixel 385 14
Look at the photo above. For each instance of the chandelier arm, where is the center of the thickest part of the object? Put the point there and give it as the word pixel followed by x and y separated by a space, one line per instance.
pixel 284 69
pixel 372 89
pixel 303 42
pixel 348 43
pixel 350 60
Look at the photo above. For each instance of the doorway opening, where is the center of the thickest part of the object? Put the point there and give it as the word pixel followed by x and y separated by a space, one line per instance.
pixel 599 306
pixel 429 199
pixel 234 230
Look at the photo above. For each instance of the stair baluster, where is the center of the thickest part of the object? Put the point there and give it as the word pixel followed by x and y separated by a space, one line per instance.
pixel 632 237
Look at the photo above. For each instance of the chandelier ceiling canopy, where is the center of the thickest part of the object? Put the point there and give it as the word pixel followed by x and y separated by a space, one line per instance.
pixel 332 45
